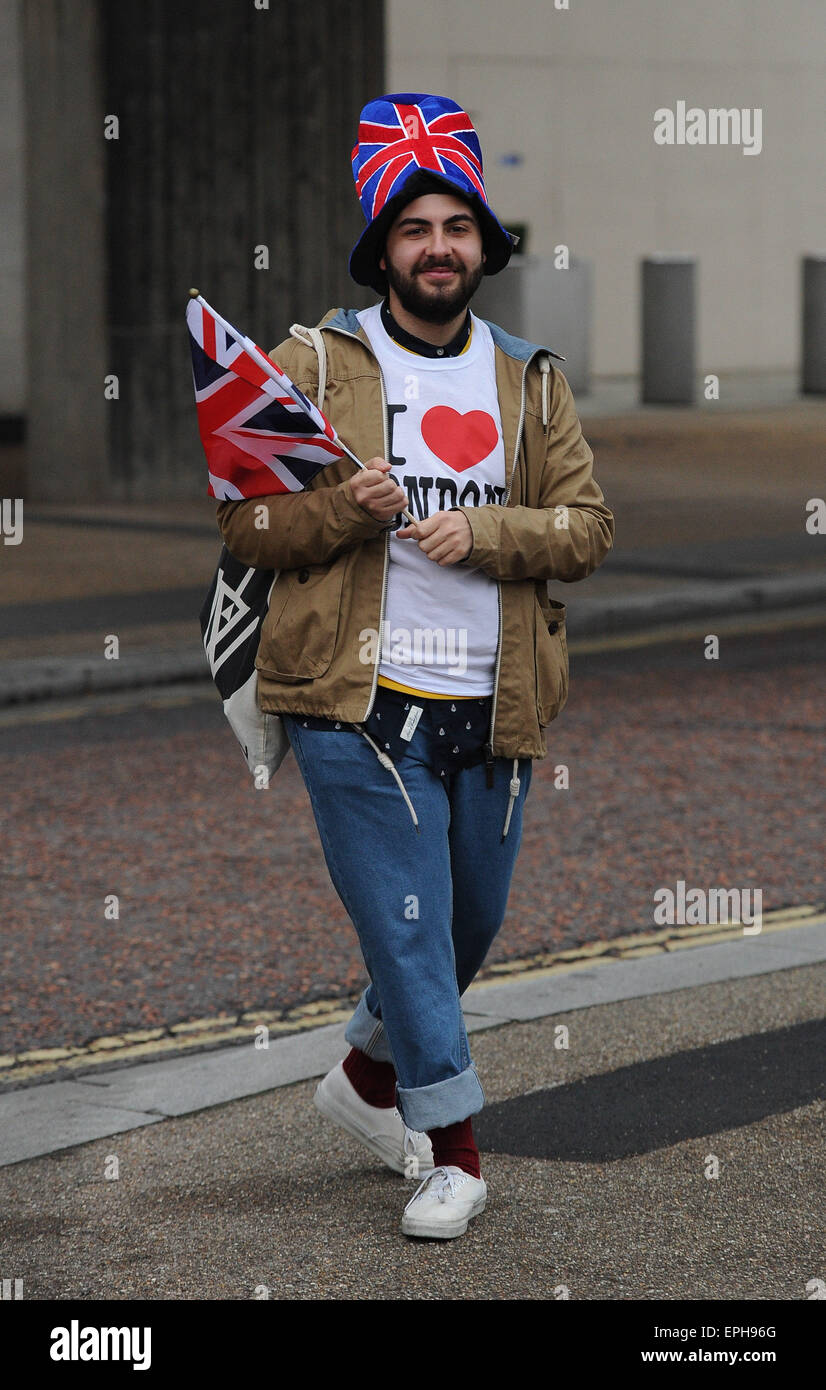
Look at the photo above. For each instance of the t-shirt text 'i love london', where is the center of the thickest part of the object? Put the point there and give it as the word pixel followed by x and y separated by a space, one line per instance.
pixel 446 450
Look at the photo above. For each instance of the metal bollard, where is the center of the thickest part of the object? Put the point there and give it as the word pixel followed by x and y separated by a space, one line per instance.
pixel 534 299
pixel 668 330
pixel 563 305
pixel 813 366
pixel 502 299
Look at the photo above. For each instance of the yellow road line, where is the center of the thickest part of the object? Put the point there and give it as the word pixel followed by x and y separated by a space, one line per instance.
pixel 30 1064
pixel 665 941
pixel 51 711
pixel 737 624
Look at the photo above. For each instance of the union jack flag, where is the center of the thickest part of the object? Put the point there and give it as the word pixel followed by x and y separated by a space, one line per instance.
pixel 382 160
pixel 261 435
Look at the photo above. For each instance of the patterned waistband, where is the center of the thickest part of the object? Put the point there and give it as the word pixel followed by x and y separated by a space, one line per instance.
pixel 458 728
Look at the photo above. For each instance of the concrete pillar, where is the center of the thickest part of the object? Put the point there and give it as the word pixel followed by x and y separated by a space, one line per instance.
pixel 66 450
pixel 813 374
pixel 230 171
pixel 668 330
pixel 12 359
pixel 566 308
pixel 233 174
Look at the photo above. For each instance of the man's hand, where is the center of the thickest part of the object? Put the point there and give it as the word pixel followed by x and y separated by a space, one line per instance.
pixel 445 537
pixel 376 492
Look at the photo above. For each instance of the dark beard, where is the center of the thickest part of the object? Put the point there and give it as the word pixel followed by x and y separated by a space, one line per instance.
pixel 443 305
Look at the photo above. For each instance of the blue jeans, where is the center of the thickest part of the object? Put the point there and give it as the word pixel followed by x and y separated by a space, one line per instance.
pixel 426 904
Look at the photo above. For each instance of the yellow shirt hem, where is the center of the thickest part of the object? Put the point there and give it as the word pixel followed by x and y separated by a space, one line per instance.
pixel 410 690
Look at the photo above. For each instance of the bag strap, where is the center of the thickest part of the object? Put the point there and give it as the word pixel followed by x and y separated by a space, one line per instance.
pixel 298 330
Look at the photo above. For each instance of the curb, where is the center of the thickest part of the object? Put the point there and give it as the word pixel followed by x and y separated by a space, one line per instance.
pixel 698 599
pixel 50 678
pixel 72 1061
pixel 46 678
pixel 43 1119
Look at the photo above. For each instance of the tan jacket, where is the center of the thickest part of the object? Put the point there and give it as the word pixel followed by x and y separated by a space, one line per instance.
pixel 332 556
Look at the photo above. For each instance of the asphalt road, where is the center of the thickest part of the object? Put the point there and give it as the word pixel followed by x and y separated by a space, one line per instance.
pixel 709 771
pixel 670 1153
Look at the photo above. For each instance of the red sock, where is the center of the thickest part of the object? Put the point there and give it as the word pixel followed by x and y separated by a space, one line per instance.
pixel 455 1144
pixel 374 1081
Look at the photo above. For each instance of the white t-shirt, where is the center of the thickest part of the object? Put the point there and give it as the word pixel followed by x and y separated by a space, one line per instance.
pixel 441 622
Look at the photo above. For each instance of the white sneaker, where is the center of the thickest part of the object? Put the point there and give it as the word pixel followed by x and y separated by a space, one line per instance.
pixel 381 1130
pixel 444 1203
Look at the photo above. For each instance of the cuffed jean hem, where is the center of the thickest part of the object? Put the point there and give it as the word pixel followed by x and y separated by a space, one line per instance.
pixel 367 1033
pixel 443 1103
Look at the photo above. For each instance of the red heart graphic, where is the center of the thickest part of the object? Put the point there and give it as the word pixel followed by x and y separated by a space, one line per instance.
pixel 459 440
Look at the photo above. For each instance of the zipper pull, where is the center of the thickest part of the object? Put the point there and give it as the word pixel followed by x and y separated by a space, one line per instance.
pixel 489 764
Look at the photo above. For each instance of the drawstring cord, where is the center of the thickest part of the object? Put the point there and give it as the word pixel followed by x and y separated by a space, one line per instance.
pixel 387 761
pixel 391 767
pixel 514 788
pixel 545 369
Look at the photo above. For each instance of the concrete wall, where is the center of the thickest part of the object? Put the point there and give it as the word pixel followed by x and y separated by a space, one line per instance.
pixel 66 339
pixel 235 126
pixel 574 93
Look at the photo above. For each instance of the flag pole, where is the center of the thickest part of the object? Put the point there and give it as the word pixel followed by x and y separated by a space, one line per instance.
pixel 257 356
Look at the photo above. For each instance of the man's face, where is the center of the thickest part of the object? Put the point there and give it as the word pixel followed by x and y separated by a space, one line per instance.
pixel 433 257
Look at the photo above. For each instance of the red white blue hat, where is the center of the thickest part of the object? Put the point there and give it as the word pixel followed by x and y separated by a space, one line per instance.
pixel 401 138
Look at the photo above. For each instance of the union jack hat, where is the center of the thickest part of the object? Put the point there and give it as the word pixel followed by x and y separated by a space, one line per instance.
pixel 402 137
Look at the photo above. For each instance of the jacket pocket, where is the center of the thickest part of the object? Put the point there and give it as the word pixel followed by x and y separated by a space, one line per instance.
pixel 551 654
pixel 298 634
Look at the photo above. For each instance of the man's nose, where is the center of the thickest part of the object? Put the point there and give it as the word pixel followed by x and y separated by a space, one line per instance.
pixel 439 244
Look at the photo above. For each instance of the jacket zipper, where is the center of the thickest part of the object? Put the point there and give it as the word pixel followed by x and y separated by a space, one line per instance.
pixel 372 698
pixel 489 745
pixel 489 761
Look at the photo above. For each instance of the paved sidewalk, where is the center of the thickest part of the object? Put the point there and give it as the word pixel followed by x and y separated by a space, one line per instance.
pixel 653 1130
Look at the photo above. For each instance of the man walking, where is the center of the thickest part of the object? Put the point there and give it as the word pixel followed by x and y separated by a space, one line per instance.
pixel 416 666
